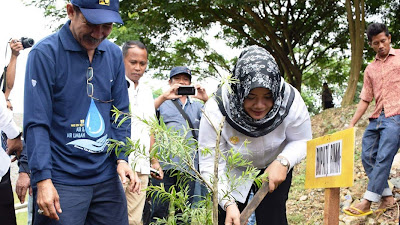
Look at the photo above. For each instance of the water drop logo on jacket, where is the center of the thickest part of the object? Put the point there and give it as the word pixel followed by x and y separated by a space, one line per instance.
pixel 94 127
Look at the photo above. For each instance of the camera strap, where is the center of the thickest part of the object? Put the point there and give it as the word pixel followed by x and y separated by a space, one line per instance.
pixel 186 117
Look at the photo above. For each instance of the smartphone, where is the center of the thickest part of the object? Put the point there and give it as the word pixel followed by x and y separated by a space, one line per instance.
pixel 186 90
pixel 154 171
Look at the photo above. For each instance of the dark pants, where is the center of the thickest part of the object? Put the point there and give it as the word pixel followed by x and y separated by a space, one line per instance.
pixel 98 204
pixel 272 209
pixel 160 208
pixel 7 212
pixel 328 105
pixel 147 212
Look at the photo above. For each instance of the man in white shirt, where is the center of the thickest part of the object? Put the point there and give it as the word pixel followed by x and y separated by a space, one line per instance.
pixel 142 107
pixel 14 145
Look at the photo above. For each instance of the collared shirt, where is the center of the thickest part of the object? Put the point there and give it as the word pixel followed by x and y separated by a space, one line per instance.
pixel 173 118
pixel 382 82
pixel 289 140
pixel 66 131
pixel 8 126
pixel 142 108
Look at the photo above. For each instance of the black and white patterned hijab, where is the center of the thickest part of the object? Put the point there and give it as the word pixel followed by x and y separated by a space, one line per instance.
pixel 256 67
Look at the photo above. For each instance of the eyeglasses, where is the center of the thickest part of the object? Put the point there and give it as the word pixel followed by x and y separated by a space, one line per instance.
pixel 89 86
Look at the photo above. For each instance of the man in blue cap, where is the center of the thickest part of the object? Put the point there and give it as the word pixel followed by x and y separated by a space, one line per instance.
pixel 73 79
pixel 172 117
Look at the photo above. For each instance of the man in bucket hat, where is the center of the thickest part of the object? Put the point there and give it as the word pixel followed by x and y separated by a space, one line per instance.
pixel 168 110
pixel 73 79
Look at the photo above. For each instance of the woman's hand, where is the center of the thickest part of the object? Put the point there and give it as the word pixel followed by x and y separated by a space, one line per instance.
pixel 232 215
pixel 276 174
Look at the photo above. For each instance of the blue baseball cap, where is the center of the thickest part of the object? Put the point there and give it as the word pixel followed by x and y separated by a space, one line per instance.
pixel 99 11
pixel 179 70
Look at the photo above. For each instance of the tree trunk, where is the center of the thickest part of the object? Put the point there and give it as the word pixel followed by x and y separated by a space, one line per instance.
pixel 292 74
pixel 356 29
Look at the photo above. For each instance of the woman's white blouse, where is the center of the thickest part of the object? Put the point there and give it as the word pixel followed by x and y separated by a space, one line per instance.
pixel 289 140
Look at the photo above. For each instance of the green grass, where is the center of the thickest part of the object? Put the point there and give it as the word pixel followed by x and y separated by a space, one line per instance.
pixel 298 180
pixel 22 218
pixel 295 218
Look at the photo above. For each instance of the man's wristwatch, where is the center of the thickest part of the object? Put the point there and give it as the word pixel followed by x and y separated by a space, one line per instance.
pixel 283 161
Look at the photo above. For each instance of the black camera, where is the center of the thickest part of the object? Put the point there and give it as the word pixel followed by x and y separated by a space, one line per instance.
pixel 186 90
pixel 27 42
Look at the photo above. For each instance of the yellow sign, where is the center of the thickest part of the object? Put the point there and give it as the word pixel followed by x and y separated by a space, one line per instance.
pixel 330 160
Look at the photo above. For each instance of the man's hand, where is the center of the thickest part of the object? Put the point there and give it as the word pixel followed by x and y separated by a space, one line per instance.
pixel 9 105
pixel 14 146
pixel 23 184
pixel 171 93
pixel 48 199
pixel 156 165
pixel 16 46
pixel 125 172
pixel 201 93
pixel 232 215
pixel 276 175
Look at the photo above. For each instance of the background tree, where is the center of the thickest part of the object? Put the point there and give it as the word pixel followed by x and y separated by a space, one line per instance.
pixel 308 38
pixel 356 21
pixel 296 33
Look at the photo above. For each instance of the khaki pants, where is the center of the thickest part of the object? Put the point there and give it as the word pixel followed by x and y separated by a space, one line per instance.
pixel 136 202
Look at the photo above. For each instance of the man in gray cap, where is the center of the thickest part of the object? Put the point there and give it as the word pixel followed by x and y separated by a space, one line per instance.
pixel 73 79
pixel 172 117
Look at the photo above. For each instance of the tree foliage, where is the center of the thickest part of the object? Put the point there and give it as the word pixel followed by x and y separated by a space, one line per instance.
pixel 308 38
pixel 297 33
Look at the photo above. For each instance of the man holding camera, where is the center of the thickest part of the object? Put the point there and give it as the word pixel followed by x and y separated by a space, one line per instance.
pixel 6 195
pixel 172 117
pixel 16 46
pixel 73 79
pixel 10 140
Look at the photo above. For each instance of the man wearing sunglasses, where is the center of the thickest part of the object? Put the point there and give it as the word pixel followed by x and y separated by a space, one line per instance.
pixel 73 79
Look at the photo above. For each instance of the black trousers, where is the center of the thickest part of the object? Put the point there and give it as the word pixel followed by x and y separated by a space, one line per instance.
pixel 160 208
pixel 272 209
pixel 328 105
pixel 7 211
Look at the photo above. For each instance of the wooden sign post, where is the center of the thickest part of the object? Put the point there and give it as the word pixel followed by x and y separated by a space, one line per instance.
pixel 330 165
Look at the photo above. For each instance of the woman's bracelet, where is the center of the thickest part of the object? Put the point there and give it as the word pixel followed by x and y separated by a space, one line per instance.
pixel 229 203
pixel 121 161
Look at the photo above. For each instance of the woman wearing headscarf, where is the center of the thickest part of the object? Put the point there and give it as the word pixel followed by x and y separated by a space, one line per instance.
pixel 268 123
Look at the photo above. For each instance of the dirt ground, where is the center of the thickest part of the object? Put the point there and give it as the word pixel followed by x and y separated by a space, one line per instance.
pixel 306 206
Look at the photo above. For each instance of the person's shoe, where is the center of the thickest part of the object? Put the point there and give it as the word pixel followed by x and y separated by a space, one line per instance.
pixel 359 211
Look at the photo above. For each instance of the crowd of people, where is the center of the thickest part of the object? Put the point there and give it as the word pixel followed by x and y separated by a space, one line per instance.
pixel 76 76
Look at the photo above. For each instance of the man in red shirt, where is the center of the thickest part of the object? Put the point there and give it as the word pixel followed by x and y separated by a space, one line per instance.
pixel 381 138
